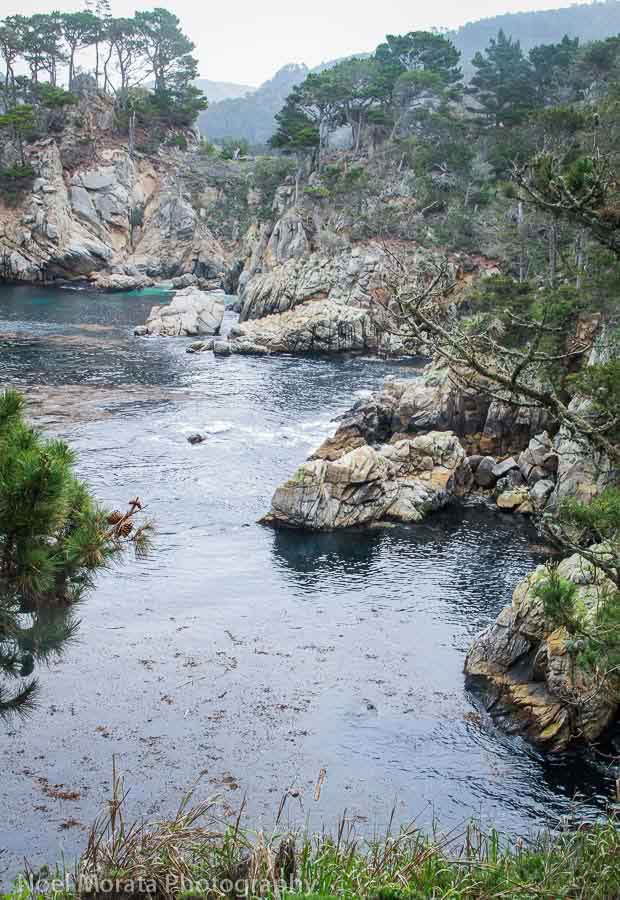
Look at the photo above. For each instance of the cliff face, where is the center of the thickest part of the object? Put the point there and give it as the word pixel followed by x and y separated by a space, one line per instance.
pixel 96 211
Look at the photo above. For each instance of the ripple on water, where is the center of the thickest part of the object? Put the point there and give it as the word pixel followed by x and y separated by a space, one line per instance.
pixel 279 653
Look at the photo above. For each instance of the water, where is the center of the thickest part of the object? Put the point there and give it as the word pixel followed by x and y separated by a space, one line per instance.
pixel 243 656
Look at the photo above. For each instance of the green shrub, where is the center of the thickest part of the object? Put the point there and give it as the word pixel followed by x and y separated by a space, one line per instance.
pixel 232 148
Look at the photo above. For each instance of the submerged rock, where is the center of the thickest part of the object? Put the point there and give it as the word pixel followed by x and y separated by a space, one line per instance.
pixel 398 482
pixel 531 679
pixel 191 312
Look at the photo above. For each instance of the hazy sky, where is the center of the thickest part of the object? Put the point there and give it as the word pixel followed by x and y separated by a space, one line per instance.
pixel 247 41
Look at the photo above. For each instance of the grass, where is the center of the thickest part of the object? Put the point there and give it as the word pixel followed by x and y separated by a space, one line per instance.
pixel 199 854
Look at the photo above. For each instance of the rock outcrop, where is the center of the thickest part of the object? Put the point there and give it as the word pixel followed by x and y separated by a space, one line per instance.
pixel 94 208
pixel 307 289
pixel 527 668
pixel 192 312
pixel 433 402
pixel 320 326
pixel 398 482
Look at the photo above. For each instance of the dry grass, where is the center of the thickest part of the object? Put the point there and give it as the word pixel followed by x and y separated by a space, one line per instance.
pixel 201 853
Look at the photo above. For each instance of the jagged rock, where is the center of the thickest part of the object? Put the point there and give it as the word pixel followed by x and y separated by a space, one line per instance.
pixel 345 440
pixel 538 460
pixel 512 499
pixel 184 281
pixel 200 346
pixel 503 468
pixel 284 274
pixel 540 493
pixel 321 326
pixel 434 402
pixel 222 348
pixel 399 482
pixel 92 206
pixel 191 312
pixel 118 282
pixel 474 461
pixel 514 479
pixel 531 681
pixel 196 439
pixel 484 472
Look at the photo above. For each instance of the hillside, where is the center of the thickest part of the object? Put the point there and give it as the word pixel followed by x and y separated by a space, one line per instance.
pixel 253 117
pixel 588 22
pixel 216 91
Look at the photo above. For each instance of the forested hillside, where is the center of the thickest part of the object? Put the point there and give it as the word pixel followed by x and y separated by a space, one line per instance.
pixel 252 118
pixel 587 21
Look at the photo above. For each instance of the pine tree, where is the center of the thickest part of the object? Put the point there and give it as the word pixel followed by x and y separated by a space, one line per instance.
pixel 54 536
pixel 503 82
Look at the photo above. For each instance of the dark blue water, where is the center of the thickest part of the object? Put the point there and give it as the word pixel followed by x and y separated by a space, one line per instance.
pixel 245 656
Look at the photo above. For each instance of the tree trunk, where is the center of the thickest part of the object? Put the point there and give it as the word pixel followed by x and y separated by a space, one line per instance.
pixel 132 132
pixel 552 238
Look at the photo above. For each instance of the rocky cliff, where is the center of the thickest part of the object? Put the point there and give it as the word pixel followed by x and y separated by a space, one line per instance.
pixel 527 666
pixel 94 210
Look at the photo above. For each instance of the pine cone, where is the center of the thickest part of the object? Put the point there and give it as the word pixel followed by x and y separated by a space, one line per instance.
pixel 125 529
pixel 115 517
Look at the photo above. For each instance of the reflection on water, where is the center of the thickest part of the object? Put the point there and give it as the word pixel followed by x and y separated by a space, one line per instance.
pixel 237 650
pixel 29 638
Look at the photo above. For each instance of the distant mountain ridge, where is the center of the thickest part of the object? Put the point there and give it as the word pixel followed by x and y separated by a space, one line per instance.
pixel 588 22
pixel 253 116
pixel 216 91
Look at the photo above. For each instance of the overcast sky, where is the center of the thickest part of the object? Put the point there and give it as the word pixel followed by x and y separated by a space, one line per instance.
pixel 246 41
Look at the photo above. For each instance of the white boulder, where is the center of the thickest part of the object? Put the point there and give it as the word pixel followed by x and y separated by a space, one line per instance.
pixel 191 312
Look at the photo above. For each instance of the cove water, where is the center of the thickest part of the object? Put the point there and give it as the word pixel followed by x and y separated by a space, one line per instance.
pixel 246 658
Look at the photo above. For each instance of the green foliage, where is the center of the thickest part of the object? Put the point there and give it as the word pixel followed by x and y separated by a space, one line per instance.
pixel 233 148
pixel 269 173
pixel 406 866
pixel 296 131
pixel 600 383
pixel 420 51
pixel 559 599
pixel 52 97
pixel 502 83
pixel 600 517
pixel 15 181
pixel 54 537
pixel 206 148
pixel 179 141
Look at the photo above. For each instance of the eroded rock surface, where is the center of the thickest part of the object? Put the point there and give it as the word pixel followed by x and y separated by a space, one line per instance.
pixel 190 313
pixel 95 208
pixel 398 482
pixel 528 670
pixel 320 326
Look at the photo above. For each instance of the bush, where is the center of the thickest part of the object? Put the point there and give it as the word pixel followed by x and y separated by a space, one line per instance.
pixel 179 141
pixel 15 181
pixel 207 148
pixel 232 148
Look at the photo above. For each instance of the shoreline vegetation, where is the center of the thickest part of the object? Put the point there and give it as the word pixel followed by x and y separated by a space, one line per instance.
pixel 200 853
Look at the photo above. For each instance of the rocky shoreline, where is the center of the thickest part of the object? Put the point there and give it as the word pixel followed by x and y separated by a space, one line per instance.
pixel 417 445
